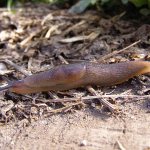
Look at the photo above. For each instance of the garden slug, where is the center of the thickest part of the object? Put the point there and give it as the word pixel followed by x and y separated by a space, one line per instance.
pixel 70 76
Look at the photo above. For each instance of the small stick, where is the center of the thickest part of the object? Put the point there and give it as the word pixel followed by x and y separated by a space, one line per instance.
pixel 96 97
pixel 117 52
pixel 63 59
pixel 65 108
pixel 120 145
pixel 74 27
pixel 20 69
pixel 111 107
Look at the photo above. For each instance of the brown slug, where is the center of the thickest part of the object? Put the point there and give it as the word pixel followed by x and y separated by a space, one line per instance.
pixel 70 76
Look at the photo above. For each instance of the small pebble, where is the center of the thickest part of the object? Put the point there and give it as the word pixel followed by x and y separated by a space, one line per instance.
pixel 2 67
pixel 83 143
pixel 93 105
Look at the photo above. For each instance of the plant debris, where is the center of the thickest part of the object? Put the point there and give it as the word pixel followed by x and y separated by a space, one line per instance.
pixel 38 38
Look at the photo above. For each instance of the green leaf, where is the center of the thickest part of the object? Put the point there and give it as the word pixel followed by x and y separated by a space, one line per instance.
pixel 80 6
pixel 148 4
pixel 93 2
pixel 9 4
pixel 145 11
pixel 138 3
pixel 124 1
pixel 104 1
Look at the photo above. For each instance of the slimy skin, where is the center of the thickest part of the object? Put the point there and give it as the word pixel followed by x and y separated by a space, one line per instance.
pixel 71 76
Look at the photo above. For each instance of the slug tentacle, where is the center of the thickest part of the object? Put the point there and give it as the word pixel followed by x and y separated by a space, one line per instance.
pixel 5 87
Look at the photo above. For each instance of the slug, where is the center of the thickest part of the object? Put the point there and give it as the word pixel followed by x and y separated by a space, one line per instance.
pixel 70 76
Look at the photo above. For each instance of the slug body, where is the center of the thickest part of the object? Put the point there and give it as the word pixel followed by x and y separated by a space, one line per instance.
pixel 70 76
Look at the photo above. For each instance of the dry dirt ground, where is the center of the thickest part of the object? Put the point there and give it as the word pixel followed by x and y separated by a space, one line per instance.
pixel 70 131
pixel 36 38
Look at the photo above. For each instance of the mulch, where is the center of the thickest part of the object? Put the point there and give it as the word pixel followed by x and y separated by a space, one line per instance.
pixel 36 38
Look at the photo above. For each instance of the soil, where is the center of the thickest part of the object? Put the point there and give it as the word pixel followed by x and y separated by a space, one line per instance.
pixel 38 37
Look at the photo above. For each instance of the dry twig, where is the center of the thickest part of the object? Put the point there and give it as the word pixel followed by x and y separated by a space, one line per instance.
pixel 120 145
pixel 117 52
pixel 65 108
pixel 96 97
pixel 20 69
